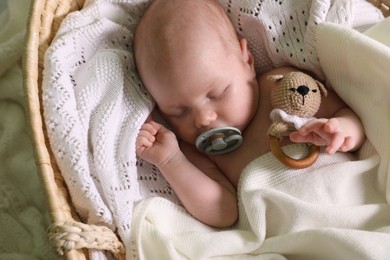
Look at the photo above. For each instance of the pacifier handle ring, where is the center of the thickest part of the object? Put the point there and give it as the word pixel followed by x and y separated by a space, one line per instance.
pixel 291 162
pixel 237 138
pixel 233 140
pixel 216 136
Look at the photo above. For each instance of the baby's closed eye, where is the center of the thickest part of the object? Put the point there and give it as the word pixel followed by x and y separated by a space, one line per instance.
pixel 219 93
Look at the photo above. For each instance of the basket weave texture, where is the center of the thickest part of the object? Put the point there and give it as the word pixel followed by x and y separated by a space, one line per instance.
pixel 69 236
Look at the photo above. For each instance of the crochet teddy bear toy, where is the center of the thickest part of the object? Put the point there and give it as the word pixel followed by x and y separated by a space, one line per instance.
pixel 295 98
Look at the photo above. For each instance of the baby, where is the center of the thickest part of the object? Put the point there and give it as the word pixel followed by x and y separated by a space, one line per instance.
pixel 202 76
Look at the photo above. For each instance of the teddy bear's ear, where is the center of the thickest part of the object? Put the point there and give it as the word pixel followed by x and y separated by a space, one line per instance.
pixel 274 77
pixel 322 88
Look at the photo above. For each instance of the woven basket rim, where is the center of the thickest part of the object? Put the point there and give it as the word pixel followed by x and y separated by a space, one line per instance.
pixel 43 21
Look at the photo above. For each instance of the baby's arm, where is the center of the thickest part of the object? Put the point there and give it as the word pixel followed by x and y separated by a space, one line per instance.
pixel 205 193
pixel 338 127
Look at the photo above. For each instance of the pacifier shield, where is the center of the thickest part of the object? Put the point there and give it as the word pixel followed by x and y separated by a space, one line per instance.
pixel 219 140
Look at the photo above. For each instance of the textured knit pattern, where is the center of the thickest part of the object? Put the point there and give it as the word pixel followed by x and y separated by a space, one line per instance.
pixel 94 102
pixel 282 32
pixel 297 94
pixel 338 208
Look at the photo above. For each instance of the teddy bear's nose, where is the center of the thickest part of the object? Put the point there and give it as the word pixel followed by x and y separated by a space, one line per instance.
pixel 303 90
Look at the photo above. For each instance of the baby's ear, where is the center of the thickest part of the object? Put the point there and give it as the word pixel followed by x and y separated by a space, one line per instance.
pixel 274 77
pixel 322 88
pixel 247 55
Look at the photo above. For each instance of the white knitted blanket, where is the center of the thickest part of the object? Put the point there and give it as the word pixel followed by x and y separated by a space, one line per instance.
pixel 339 208
pixel 94 102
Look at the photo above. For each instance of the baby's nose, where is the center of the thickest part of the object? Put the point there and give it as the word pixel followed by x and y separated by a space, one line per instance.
pixel 205 118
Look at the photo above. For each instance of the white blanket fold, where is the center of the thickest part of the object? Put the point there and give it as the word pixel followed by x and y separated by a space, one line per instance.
pixel 335 209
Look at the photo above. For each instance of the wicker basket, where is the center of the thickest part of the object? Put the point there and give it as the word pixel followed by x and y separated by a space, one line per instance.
pixel 69 236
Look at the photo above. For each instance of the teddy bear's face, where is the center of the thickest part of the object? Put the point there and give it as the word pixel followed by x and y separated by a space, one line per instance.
pixel 297 94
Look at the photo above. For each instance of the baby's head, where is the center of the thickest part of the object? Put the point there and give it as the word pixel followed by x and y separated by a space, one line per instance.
pixel 197 70
pixel 172 28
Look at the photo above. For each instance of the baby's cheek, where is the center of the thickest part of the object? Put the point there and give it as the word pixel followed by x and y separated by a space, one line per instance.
pixel 242 112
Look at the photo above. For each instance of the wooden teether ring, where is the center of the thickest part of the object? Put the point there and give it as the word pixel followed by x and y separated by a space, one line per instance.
pixel 291 162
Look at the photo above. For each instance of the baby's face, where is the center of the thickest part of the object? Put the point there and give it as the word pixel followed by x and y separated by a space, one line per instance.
pixel 206 90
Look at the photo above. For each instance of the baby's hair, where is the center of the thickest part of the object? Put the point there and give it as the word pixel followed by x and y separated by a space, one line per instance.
pixel 214 15
pixel 192 13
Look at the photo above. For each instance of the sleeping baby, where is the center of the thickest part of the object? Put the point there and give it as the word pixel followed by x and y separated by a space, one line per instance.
pixel 202 78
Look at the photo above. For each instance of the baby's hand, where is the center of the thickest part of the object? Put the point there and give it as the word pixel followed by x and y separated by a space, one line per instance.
pixel 329 132
pixel 155 143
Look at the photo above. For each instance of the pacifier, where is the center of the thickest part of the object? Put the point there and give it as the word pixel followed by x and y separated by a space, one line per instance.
pixel 219 140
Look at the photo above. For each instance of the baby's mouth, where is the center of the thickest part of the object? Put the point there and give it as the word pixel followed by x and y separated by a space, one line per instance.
pixel 219 140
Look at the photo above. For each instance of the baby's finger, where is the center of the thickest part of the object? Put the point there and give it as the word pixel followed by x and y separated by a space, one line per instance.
pixel 347 145
pixel 335 143
pixel 332 126
pixel 147 135
pixel 314 125
pixel 298 137
pixel 139 150
pixel 311 137
pixel 318 139
pixel 149 127
pixel 143 141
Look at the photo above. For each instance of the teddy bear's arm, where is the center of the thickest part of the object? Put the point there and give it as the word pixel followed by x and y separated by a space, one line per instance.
pixel 280 128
